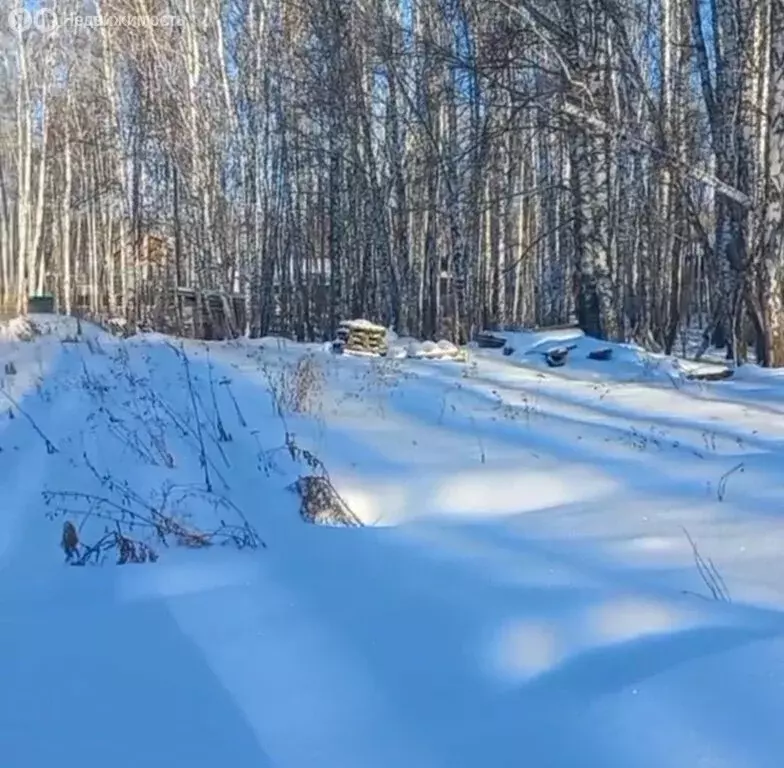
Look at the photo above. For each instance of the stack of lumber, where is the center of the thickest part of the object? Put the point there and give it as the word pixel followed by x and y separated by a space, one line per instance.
pixel 361 337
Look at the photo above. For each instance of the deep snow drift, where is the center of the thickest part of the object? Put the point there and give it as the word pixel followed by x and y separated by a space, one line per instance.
pixel 526 590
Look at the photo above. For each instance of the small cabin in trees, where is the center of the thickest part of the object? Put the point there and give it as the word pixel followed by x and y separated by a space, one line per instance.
pixel 155 298
pixel 211 314
pixel 165 305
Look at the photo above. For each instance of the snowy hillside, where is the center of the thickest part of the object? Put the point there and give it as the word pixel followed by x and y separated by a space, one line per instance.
pixel 577 566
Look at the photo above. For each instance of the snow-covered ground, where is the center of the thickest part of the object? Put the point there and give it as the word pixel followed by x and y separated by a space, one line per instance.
pixel 526 591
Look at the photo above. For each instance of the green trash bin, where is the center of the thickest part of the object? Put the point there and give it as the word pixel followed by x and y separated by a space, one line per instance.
pixel 43 304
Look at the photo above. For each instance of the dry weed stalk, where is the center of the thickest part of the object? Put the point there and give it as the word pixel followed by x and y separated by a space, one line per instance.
pixel 50 446
pixel 134 526
pixel 709 573
pixel 296 387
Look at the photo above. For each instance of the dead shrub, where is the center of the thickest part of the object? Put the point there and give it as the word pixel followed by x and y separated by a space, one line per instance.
pixel 321 504
pixel 135 527
pixel 296 387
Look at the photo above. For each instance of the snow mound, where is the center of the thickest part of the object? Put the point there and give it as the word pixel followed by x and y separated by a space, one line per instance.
pixel 362 325
pixel 18 329
pixel 588 358
pixel 425 350
pixel 523 589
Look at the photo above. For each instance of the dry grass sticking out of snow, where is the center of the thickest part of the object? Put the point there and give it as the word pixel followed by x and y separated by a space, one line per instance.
pixel 153 442
pixel 555 568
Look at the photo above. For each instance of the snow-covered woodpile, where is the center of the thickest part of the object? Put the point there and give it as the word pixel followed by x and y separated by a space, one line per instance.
pixel 361 337
pixel 18 329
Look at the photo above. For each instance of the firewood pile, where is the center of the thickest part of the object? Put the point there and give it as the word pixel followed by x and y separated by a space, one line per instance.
pixel 361 337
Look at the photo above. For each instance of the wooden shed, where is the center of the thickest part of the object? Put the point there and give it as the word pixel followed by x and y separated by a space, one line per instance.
pixel 211 314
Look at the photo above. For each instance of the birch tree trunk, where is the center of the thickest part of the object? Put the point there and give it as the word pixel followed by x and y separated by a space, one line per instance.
pixel 773 264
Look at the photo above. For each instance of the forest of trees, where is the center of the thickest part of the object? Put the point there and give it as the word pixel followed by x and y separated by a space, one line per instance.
pixel 436 165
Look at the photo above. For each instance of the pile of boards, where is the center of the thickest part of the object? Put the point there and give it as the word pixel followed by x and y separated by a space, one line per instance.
pixel 361 337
